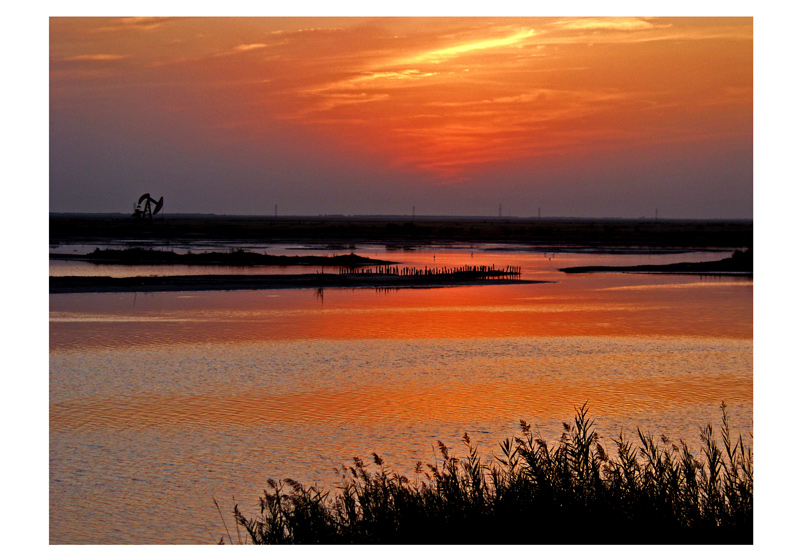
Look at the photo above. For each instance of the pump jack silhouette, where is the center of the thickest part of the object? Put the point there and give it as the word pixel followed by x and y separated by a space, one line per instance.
pixel 147 212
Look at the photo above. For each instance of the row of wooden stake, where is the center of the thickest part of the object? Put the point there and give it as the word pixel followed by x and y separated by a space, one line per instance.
pixel 467 270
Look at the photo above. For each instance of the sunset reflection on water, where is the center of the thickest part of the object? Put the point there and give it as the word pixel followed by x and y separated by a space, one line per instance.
pixel 167 386
pixel 604 306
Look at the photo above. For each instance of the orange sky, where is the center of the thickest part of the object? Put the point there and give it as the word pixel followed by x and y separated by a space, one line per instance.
pixel 432 102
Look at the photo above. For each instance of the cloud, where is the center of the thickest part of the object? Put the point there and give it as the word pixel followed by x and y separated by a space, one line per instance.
pixel 437 56
pixel 378 74
pixel 250 47
pixel 97 57
pixel 635 30
pixel 402 75
pixel 138 23
pixel 613 24
pixel 334 101
pixel 368 79
pixel 243 48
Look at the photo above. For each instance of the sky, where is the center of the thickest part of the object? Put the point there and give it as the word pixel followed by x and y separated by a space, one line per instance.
pixel 589 117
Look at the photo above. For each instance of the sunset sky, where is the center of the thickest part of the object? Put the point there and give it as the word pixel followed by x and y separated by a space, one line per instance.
pixel 594 117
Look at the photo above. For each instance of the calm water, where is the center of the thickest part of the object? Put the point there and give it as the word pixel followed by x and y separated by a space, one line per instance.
pixel 161 402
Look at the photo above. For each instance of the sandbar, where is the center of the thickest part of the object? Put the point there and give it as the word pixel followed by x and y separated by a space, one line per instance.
pixel 226 282
pixel 739 264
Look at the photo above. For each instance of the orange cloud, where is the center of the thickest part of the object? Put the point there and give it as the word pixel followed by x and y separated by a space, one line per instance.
pixel 97 57
pixel 439 55
pixel 611 23
pixel 137 23
pixel 253 46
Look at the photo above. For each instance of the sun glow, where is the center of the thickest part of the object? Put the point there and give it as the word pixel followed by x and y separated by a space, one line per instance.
pixel 444 96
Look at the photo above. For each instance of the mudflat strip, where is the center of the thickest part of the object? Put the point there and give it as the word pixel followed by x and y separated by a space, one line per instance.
pixel 739 264
pixel 143 256
pixel 223 282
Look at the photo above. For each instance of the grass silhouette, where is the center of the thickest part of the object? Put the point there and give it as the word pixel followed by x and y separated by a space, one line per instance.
pixel 572 492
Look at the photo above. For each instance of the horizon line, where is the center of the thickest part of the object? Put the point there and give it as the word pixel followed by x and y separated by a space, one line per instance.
pixel 409 216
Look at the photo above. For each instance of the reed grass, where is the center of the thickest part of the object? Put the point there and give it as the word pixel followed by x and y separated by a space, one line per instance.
pixel 652 491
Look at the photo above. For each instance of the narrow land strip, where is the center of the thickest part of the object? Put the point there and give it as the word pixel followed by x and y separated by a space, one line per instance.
pixel 88 284
pixel 141 256
pixel 739 264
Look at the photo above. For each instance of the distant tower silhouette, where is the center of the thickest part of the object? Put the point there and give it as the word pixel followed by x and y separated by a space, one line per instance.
pixel 500 212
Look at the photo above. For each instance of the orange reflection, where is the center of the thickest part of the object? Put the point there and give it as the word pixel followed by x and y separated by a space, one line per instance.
pixel 376 405
pixel 599 306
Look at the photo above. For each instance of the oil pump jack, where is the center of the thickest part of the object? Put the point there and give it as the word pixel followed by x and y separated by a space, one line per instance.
pixel 141 212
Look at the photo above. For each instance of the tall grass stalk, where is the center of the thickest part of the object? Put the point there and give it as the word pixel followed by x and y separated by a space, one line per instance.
pixel 653 491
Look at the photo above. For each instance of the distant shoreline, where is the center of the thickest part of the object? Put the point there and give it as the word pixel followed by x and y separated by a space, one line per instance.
pixel 739 264
pixel 630 270
pixel 227 282
pixel 402 231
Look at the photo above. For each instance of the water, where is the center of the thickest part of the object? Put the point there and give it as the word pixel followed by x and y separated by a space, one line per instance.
pixel 161 402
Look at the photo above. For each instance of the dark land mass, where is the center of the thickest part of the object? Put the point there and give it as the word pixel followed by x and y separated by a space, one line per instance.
pixel 405 231
pixel 140 256
pixel 225 282
pixel 740 263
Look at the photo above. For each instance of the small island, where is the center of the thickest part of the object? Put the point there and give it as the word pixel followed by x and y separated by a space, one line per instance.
pixel 237 257
pixel 738 264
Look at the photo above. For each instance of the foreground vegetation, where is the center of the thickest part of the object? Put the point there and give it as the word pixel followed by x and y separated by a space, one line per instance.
pixel 573 492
